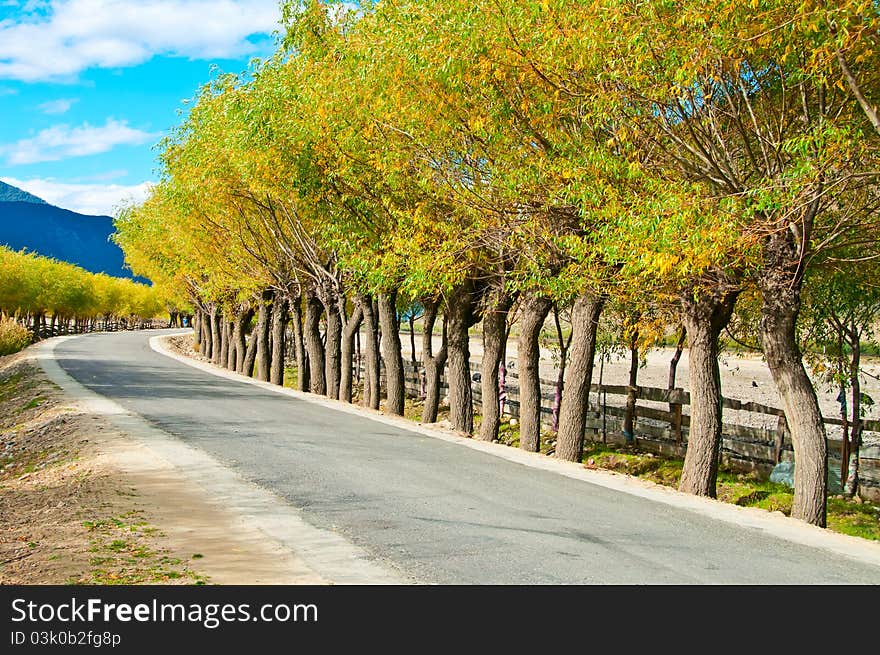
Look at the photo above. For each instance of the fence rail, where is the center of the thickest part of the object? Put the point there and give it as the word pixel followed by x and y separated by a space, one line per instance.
pixel 665 431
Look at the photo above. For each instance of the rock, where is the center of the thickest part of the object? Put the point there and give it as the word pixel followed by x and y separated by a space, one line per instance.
pixel 783 473
pixel 834 484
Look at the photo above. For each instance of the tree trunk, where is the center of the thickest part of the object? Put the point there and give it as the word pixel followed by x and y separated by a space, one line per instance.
pixel 280 318
pixel 332 346
pixel 314 308
pixel 578 377
pixel 209 335
pixel 411 319
pixel 231 353
pixel 629 417
pixel 780 284
pixel 676 357
pixel 371 347
pixel 216 339
pixel 494 329
pixel 460 317
pixel 391 353
pixel 263 334
pixel 560 377
pixel 238 336
pixel 534 312
pixel 302 360
pixel 352 325
pixel 704 315
pixel 502 371
pixel 205 327
pixel 250 355
pixel 224 342
pixel 850 479
pixel 197 330
pixel 433 364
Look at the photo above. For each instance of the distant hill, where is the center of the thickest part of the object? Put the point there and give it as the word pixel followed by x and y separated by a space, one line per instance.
pixel 32 223
pixel 9 193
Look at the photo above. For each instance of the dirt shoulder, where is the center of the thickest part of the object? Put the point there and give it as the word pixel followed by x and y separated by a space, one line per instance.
pixel 81 503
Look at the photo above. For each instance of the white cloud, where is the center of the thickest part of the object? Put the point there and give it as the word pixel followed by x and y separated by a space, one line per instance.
pixel 93 199
pixel 68 36
pixel 63 141
pixel 60 106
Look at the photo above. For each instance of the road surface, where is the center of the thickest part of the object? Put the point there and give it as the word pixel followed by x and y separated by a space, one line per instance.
pixel 437 511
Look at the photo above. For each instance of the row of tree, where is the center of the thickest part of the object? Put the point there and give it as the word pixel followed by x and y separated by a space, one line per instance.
pixel 53 297
pixel 659 158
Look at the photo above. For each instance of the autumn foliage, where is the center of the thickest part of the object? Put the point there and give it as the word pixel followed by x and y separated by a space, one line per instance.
pixel 491 160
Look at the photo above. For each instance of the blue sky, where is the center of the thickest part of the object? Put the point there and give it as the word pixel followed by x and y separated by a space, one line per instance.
pixel 88 87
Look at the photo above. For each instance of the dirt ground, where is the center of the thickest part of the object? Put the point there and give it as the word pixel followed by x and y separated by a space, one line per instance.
pixel 82 503
pixel 66 517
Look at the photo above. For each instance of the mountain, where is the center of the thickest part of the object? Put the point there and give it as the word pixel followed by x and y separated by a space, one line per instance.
pixel 9 193
pixel 29 222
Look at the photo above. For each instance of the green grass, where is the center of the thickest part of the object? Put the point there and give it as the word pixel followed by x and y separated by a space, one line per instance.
pixel 856 519
pixel 11 385
pixel 121 557
pixel 847 516
pixel 630 460
pixel 291 377
pixel 35 402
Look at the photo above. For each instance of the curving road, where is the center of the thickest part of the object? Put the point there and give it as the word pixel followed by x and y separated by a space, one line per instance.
pixel 434 510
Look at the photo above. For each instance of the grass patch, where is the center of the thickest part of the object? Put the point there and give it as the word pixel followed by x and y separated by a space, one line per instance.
pixel 34 403
pixel 859 519
pixel 750 490
pixel 855 519
pixel 9 385
pixel 632 461
pixel 291 377
pixel 508 432
pixel 121 554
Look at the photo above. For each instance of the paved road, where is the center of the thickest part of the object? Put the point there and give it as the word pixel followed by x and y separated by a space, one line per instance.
pixel 440 512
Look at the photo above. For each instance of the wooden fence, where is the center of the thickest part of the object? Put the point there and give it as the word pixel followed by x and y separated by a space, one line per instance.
pixel 664 430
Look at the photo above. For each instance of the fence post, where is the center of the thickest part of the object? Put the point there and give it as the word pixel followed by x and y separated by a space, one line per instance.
pixel 781 431
pixel 604 413
pixel 676 420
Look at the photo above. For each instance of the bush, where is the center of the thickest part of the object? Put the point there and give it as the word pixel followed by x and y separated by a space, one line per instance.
pixel 13 337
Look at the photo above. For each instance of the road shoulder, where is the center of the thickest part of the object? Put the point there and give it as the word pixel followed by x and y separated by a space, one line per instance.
pixel 244 534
